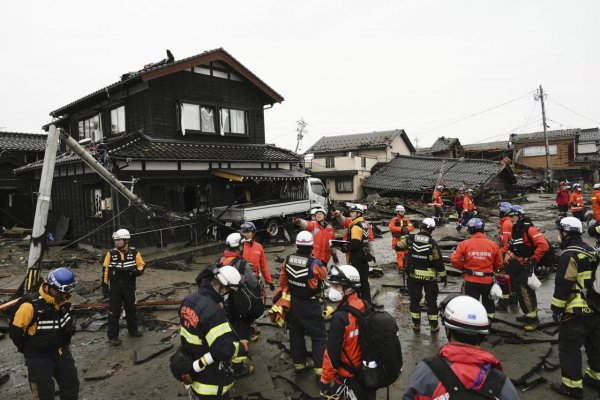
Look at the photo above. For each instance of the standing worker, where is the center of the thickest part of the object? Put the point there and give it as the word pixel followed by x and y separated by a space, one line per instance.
pixel 469 209
pixel 255 255
pixel 577 203
pixel 461 366
pixel 208 342
pixel 528 246
pixel 579 322
pixel 562 199
pixel 504 237
pixel 322 233
pixel 41 329
pixel 596 202
pixel 343 353
pixel 478 257
pixel 458 201
pixel 302 276
pixel 438 205
pixel 424 264
pixel 400 227
pixel 122 266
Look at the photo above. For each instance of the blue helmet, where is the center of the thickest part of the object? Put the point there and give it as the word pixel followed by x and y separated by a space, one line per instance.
pixel 248 227
pixel 504 207
pixel 516 210
pixel 62 279
pixel 475 225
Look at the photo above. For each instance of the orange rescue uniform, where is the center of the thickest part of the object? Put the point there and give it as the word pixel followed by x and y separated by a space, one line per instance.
pixel 479 255
pixel 596 204
pixel 505 233
pixel 255 254
pixel 576 201
pixel 397 225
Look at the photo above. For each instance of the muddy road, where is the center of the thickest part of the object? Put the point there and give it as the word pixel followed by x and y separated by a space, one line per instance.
pixel 138 369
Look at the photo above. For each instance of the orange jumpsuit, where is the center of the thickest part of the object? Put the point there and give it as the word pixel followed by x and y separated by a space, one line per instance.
pixel 477 254
pixel 397 226
pixel 255 254
pixel 505 233
pixel 596 204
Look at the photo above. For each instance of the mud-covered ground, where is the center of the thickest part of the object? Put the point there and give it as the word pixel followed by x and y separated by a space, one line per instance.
pixel 109 372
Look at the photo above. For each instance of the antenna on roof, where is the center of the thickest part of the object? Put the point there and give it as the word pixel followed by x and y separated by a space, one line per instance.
pixel 301 129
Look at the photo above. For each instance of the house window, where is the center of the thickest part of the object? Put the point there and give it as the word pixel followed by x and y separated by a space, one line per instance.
pixel 93 203
pixel 363 162
pixel 533 151
pixel 330 162
pixel 196 117
pixel 233 121
pixel 344 185
pixel 117 120
pixel 91 128
pixel 584 148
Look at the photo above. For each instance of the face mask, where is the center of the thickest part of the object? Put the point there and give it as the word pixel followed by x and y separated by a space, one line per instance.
pixel 335 295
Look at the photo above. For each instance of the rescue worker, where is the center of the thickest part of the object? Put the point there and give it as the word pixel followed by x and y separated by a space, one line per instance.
pixel 438 205
pixel 302 276
pixel 459 200
pixel 461 364
pixel 595 200
pixel 478 257
pixel 207 338
pixel 255 255
pixel 577 203
pixel 358 253
pixel 122 265
pixel 579 323
pixel 41 329
pixel 400 227
pixel 469 209
pixel 528 246
pixel 594 231
pixel 343 354
pixel 562 199
pixel 504 236
pixel 423 266
pixel 322 233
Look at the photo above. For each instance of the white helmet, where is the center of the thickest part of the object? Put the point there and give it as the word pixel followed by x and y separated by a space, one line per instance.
pixel 464 314
pixel 358 208
pixel 596 185
pixel 428 223
pixel 314 211
pixel 570 224
pixel 440 187
pixel 346 275
pixel 400 209
pixel 121 234
pixel 234 240
pixel 304 238
pixel 228 276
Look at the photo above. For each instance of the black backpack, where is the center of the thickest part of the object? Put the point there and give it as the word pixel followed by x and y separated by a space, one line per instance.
pixel 380 347
pixel 491 388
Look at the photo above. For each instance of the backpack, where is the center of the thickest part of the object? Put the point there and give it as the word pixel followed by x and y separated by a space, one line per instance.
pixel 28 298
pixel 491 388
pixel 245 270
pixel 381 357
pixel 592 294
pixel 246 299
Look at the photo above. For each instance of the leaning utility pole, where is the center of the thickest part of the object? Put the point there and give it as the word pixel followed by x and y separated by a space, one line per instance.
pixel 301 129
pixel 540 96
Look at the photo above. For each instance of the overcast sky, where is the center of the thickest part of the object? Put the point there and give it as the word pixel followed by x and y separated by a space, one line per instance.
pixel 343 66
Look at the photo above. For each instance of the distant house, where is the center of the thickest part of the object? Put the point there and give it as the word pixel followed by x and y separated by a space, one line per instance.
pixel 488 150
pixel 414 176
pixel 443 147
pixel 573 153
pixel 185 134
pixel 343 162
pixel 16 197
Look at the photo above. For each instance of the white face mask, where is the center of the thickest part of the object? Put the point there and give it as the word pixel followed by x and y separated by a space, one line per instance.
pixel 559 237
pixel 335 295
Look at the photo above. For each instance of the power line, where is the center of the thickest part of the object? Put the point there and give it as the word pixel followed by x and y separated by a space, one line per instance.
pixel 574 112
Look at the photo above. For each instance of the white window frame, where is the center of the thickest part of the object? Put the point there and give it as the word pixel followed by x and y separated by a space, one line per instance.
pixel 197 109
pixel 87 131
pixel 586 148
pixel 117 114
pixel 539 150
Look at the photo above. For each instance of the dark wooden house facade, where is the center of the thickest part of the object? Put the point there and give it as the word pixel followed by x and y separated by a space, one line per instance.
pixel 169 130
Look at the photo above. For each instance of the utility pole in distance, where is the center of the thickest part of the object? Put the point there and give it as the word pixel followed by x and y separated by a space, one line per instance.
pixel 301 129
pixel 540 96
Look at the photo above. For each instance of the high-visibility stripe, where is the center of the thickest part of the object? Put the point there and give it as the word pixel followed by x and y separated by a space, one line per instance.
pixel 532 314
pixel 286 296
pixel 491 315
pixel 415 315
pixel 190 337
pixel 237 349
pixel 428 272
pixel 216 332
pixel 432 317
pixel 592 374
pixel 204 389
pixel 559 303
pixel 572 384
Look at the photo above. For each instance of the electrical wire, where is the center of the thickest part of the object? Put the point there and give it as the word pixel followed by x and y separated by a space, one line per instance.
pixel 574 112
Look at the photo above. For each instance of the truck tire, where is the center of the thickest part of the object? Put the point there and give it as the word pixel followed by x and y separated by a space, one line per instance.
pixel 273 228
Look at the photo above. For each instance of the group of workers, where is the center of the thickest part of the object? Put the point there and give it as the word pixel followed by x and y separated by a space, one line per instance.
pixel 575 201
pixel 216 328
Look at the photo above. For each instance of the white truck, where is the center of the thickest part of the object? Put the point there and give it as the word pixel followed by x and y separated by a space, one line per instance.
pixel 292 199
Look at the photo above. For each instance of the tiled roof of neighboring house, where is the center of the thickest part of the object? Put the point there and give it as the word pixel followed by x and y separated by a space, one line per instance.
pixel 423 151
pixel 22 141
pixel 417 174
pixel 143 148
pixel 334 174
pixel 539 136
pixel 488 146
pixel 164 68
pixel 589 135
pixel 443 144
pixel 372 140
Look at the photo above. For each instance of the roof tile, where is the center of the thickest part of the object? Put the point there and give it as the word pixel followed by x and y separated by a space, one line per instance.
pixel 371 140
pixel 23 141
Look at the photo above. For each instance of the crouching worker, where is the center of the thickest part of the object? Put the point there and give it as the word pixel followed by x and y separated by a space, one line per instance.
pixel 41 329
pixel 461 366
pixel 343 353
pixel 208 343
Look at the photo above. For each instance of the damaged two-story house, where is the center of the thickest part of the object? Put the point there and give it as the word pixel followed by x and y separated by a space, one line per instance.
pixel 187 135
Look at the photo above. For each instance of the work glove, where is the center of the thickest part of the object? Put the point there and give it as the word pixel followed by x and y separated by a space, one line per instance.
pixel 444 280
pixel 272 287
pixel 105 291
pixel 138 272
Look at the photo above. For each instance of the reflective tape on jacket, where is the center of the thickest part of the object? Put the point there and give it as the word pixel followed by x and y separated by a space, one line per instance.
pixel 204 389
pixel 216 332
pixel 426 273
pixel 190 337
